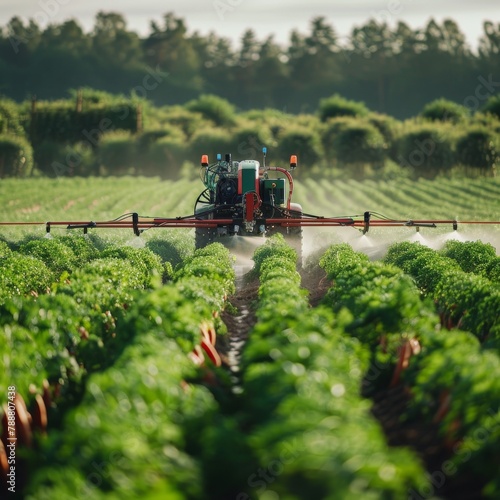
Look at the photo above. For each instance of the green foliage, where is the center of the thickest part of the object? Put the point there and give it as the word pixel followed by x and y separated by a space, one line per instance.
pixel 164 157
pixel 10 123
pixel 57 256
pixel 443 110
pixel 212 261
pixel 16 156
pixel 382 300
pixel 219 111
pixel 301 141
pixel 5 250
pixel 274 246
pixel 330 131
pixel 471 256
pixel 172 246
pixel 390 128
pixel 59 121
pixel 336 105
pixel 426 149
pixel 122 404
pixel 359 143
pixel 478 148
pixel 147 263
pixel 82 246
pixel 56 159
pixel 341 258
pixel 492 270
pixel 291 386
pixel 172 64
pixel 462 298
pixel 492 106
pixel 22 274
pixel 208 140
pixel 247 142
pixel 118 152
pixel 180 119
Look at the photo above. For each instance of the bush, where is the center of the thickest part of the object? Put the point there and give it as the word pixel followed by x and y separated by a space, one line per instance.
pixel 163 158
pixel 492 106
pixel 444 110
pixel 476 148
pixel 214 108
pixel 16 156
pixel 331 130
pixel 427 149
pixel 388 127
pixel 56 159
pixel 303 142
pixel 275 247
pixel 335 106
pixel 472 256
pixel 359 143
pixel 142 259
pixel 81 246
pixel 247 142
pixel 60 122
pixel 183 120
pixel 209 141
pixel 9 118
pixel 117 152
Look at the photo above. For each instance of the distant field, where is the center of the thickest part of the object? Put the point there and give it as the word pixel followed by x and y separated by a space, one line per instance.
pixel 107 198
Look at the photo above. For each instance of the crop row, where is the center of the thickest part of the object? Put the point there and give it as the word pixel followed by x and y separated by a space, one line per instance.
pixel 308 429
pixel 452 381
pixel 52 338
pixel 59 324
pixel 136 430
pixel 465 299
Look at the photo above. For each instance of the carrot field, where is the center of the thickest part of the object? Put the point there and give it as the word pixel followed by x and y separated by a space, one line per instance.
pixel 140 367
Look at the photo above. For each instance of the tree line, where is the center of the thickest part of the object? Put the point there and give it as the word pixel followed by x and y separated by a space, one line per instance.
pixel 393 70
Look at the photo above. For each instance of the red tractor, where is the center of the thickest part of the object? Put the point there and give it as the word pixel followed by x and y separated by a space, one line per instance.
pixel 245 198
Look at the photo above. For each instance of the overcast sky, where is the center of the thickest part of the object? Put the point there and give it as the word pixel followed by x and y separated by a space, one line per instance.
pixel 232 17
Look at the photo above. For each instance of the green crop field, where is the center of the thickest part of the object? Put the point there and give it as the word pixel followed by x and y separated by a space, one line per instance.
pixel 151 370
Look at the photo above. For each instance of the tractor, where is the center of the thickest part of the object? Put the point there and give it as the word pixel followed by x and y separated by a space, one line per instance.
pixel 244 198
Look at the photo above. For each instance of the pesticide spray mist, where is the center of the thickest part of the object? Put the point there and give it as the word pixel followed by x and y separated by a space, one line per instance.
pixel 243 247
pixel 376 243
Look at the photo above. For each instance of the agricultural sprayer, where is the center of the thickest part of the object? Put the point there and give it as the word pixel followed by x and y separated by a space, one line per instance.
pixel 247 198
